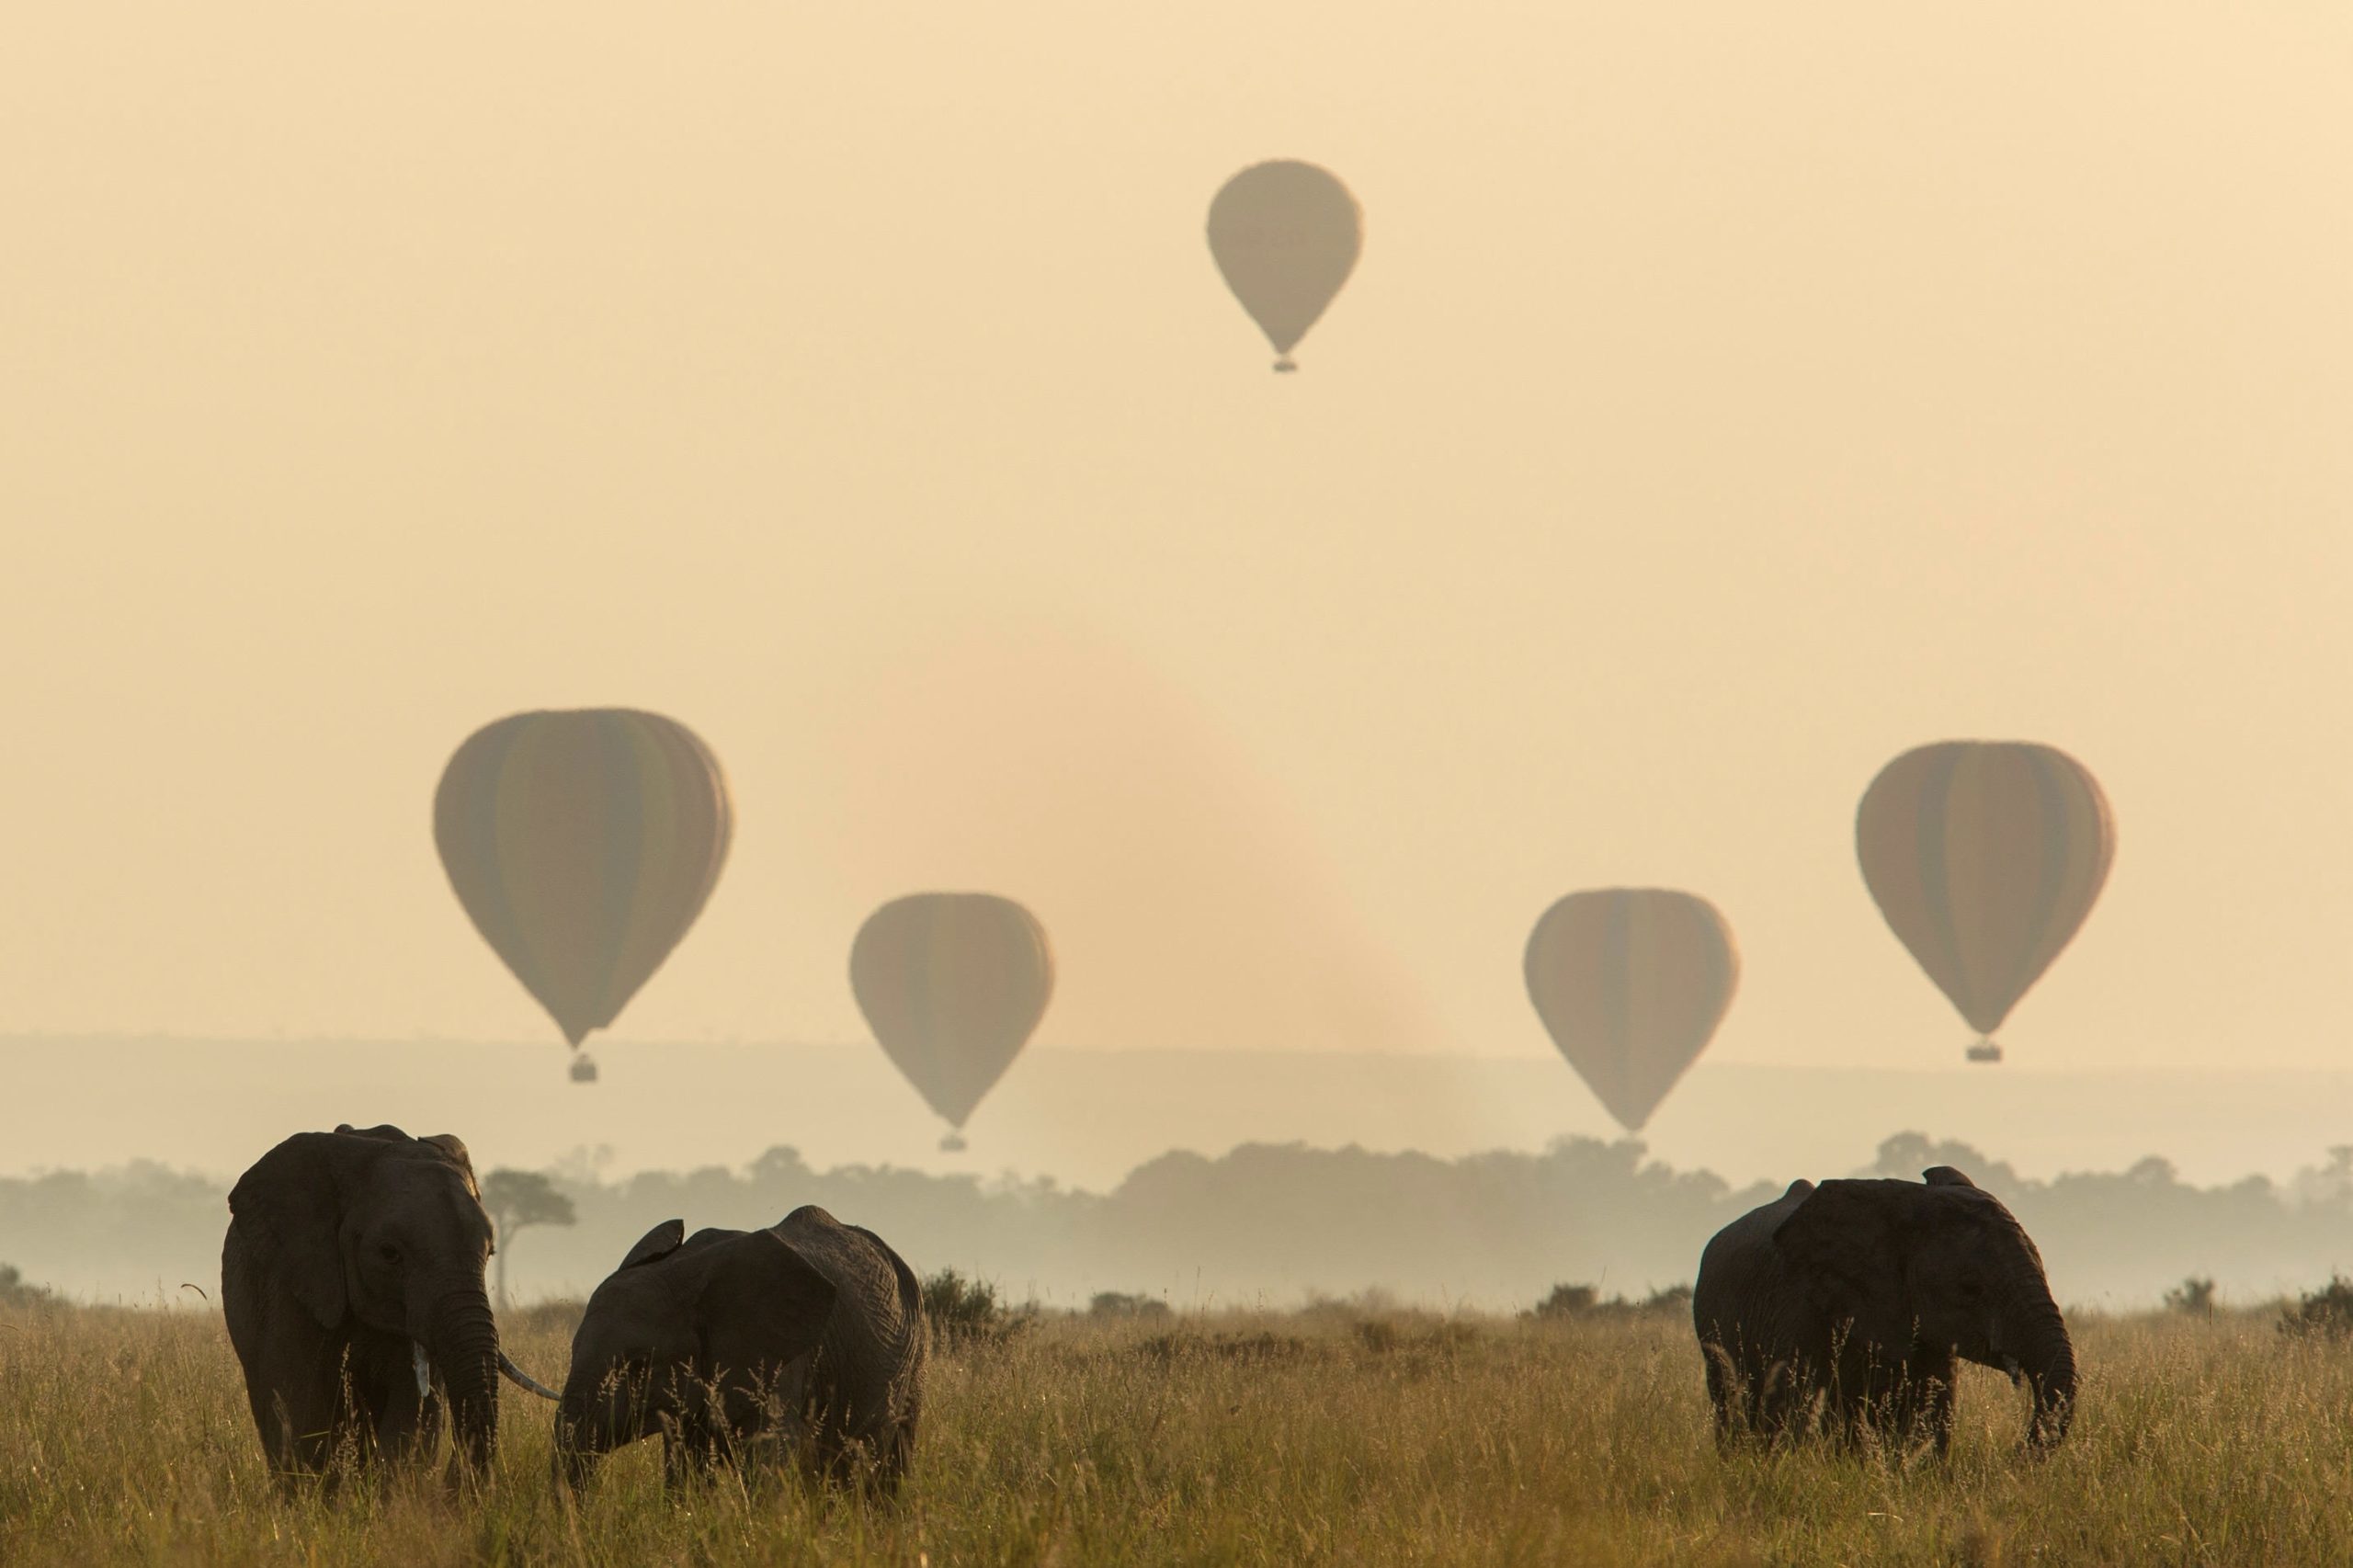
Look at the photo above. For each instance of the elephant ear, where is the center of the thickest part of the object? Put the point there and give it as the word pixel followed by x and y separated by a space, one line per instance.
pixel 1945 1176
pixel 453 1148
pixel 656 1243
pixel 290 1203
pixel 762 1305
pixel 1849 1243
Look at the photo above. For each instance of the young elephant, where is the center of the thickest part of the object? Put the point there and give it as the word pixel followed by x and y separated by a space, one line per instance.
pixel 352 1282
pixel 1862 1294
pixel 807 1335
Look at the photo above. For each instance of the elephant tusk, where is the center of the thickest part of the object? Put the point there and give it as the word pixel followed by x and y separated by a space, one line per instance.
pixel 424 1371
pixel 523 1378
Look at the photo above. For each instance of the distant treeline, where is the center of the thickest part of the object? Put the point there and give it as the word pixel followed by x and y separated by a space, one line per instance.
pixel 1270 1224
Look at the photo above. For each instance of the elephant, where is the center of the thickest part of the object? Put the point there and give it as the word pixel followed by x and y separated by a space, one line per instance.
pixel 1861 1294
pixel 352 1282
pixel 738 1345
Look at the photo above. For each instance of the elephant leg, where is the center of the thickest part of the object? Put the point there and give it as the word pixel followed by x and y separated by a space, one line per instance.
pixel 298 1431
pixel 1932 1391
pixel 336 1439
pixel 365 1416
pixel 899 1455
pixel 407 1429
pixel 1853 1418
pixel 1721 1390
pixel 679 1462
pixel 1872 1395
pixel 1851 1406
pixel 1939 1417
pixel 295 1387
pixel 690 1448
pixel 1780 1396
pixel 402 1426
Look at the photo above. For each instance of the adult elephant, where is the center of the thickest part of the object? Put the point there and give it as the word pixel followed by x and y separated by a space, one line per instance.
pixel 1862 1294
pixel 352 1282
pixel 734 1344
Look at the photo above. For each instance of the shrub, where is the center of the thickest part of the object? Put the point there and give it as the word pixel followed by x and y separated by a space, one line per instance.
pixel 1187 1346
pixel 2194 1296
pixel 2324 1313
pixel 1585 1301
pixel 1380 1337
pixel 15 1292
pixel 966 1312
pixel 1569 1301
pixel 1120 1304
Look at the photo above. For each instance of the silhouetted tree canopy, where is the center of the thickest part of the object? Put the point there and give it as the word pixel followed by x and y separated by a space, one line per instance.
pixel 518 1200
pixel 1263 1224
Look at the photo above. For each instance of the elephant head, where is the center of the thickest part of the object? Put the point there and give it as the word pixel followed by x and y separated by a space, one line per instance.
pixel 375 1229
pixel 1943 1265
pixel 677 1323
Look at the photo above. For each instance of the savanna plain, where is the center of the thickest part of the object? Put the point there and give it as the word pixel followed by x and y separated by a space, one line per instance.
pixel 1337 1434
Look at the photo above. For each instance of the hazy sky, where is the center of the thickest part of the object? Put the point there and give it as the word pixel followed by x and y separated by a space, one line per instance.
pixel 1729 398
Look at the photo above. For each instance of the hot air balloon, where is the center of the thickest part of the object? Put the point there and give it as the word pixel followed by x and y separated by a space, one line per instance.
pixel 1286 234
pixel 1630 983
pixel 1984 857
pixel 583 844
pixel 952 983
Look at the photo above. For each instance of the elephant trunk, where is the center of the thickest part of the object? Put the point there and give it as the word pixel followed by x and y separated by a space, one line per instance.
pixel 2042 1356
pixel 582 1436
pixel 2049 1367
pixel 463 1339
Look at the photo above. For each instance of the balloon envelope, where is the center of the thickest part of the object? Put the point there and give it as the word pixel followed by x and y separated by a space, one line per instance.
pixel 1286 234
pixel 952 983
pixel 583 844
pixel 1984 857
pixel 1630 983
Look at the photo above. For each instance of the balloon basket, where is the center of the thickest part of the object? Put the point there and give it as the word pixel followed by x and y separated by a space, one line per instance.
pixel 1984 1051
pixel 952 1145
pixel 1285 366
pixel 583 1071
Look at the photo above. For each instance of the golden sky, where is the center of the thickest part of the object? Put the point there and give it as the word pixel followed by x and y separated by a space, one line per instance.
pixel 1729 398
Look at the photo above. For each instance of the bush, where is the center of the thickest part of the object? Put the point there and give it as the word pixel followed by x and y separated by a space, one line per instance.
pixel 1120 1304
pixel 966 1312
pixel 1187 1346
pixel 2194 1296
pixel 1585 1301
pixel 2324 1313
pixel 1569 1301
pixel 15 1292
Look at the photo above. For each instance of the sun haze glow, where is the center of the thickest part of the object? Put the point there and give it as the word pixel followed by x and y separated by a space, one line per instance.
pixel 1725 401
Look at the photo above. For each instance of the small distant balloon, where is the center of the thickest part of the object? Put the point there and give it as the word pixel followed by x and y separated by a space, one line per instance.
pixel 1985 857
pixel 583 844
pixel 952 984
pixel 1630 983
pixel 1286 236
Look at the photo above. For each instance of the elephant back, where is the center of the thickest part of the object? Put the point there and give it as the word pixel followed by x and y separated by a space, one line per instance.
pixel 1742 1276
pixel 872 1351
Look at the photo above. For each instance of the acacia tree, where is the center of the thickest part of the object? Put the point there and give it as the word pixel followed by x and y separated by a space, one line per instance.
pixel 518 1200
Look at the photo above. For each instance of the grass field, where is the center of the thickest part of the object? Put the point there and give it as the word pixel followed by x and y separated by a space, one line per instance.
pixel 1325 1436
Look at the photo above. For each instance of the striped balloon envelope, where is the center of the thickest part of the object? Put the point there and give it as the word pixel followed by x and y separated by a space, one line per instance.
pixel 1630 983
pixel 1984 857
pixel 953 985
pixel 583 844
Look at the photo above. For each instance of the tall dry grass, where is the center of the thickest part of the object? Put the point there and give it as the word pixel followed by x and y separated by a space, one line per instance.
pixel 1325 1436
